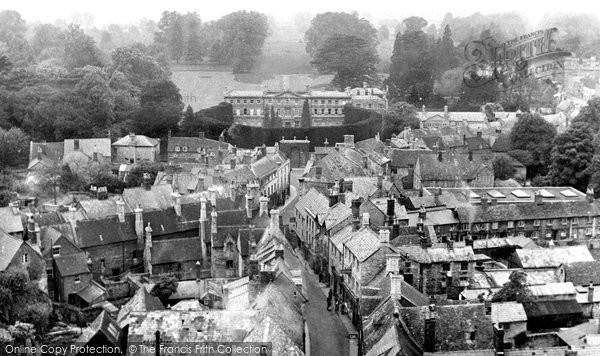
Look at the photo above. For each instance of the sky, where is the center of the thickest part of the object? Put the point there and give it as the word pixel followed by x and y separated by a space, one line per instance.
pixel 131 11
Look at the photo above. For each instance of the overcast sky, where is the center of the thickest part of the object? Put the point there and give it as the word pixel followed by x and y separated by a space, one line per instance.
pixel 131 11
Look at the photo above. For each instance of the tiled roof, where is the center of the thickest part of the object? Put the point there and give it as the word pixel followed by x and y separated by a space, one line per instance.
pixel 157 198
pixel 336 214
pixel 363 243
pixel 49 218
pixel 266 165
pixel 137 141
pixel 176 250
pixel 104 231
pixel 502 144
pixel 72 265
pixel 499 277
pixel 337 165
pixel 371 145
pixel 195 143
pixel 399 209
pixel 88 145
pixel 10 222
pixel 9 246
pixel 434 217
pixel 439 254
pixel 141 301
pixel 452 321
pixel 576 335
pixel 552 307
pixel 553 257
pixel 527 210
pixel 583 273
pixel 341 236
pixel 91 293
pixel 404 158
pixel 508 312
pixel 476 143
pixel 102 324
pixel 452 166
pixel 97 209
pixel 313 201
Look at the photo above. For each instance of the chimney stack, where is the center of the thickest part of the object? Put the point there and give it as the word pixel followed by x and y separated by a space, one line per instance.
pixel 440 157
pixel 392 263
pixel 380 182
pixel 121 209
pixel 395 230
pixel 366 219
pixel 39 152
pixel 437 192
pixel 148 251
pixel 15 207
pixel 396 286
pixel 95 154
pixel 30 229
pixel 539 200
pixel 318 172
pixel 147 181
pixel 263 203
pixel 349 141
pixel 139 226
pixel 213 222
pixel 484 202
pixel 589 193
pixel 249 198
pixel 384 236
pixel 470 155
pixel 275 217
pixel 333 197
pixel 232 163
pixel 356 214
pixel 591 292
pixel 430 328
pixel 446 110
pixel 391 209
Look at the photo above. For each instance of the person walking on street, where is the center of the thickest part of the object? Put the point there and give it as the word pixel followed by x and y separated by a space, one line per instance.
pixel 337 306
pixel 328 303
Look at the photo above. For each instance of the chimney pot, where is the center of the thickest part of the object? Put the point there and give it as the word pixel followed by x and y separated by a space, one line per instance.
pixel 384 236
pixel 366 219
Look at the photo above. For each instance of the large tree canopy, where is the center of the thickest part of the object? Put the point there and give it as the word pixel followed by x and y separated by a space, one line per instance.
pixel 351 59
pixel 328 24
pixel 534 134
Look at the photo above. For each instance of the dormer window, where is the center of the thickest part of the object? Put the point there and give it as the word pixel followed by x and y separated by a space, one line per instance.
pixel 185 149
pixel 177 148
pixel 76 144
pixel 56 250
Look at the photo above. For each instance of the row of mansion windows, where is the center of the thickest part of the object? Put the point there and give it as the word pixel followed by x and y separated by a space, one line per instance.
pixel 288 101
pixel 296 112
pixel 521 223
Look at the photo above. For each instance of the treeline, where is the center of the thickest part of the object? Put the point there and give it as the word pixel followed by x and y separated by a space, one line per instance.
pixel 60 85
pixel 235 39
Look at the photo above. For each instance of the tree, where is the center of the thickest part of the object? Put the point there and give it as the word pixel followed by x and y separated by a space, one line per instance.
pixel 193 46
pixel 503 168
pixel 327 24
pixel 171 34
pixel 14 144
pixel 136 175
pixel 164 288
pixel 384 33
pixel 411 69
pixel 351 59
pixel 160 108
pixel 23 301
pixel 136 66
pixel 12 38
pixel 535 135
pixel 515 290
pixel 305 121
pixel 267 118
pixel 80 49
pixel 572 156
pixel 243 35
pixel 48 41
pixel 397 118
pixel 446 56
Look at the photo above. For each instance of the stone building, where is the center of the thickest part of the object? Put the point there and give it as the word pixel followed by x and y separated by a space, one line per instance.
pixel 195 150
pixel 135 149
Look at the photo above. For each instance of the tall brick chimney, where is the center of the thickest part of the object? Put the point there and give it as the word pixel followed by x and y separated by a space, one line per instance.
pixel 366 219
pixel 121 209
pixel 396 286
pixel 203 221
pixel 430 322
pixel 139 227
pixel 263 204
pixel 356 214
pixel 176 203
pixel 148 250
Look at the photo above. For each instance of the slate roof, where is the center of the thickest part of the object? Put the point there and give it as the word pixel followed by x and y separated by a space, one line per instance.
pixel 552 307
pixel 576 335
pixel 404 158
pixel 104 231
pixel 10 222
pixel 102 324
pixel 341 236
pixel 157 198
pixel 266 165
pixel 176 250
pixel 88 145
pixel 452 321
pixel 583 273
pixel 97 209
pixel 195 143
pixel 363 243
pixel 439 254
pixel 476 143
pixel 371 145
pixel 91 293
pixel 336 214
pixel 337 165
pixel 72 265
pixel 527 210
pixel 49 218
pixel 9 246
pixel 314 201
pixel 508 312
pixel 137 141
pixel 553 289
pixel 452 166
pixel 502 144
pixel 433 217
pixel 553 257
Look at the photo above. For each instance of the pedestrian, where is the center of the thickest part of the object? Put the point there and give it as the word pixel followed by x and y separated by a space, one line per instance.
pixel 328 304
pixel 337 306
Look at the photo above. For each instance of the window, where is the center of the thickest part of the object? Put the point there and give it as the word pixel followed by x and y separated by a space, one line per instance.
pixel 536 222
pixel 588 231
pixel 229 264
pixel 536 234
pixel 245 101
pixel 590 219
pixel 510 224
pixel 464 266
pixel 245 111
pixel 521 223
pixel 316 111
pixel 486 226
pixel 521 234
pixel 494 225
pixel 574 221
pixel 177 148
pixel 251 101
pixel 238 101
pixel 549 222
pixel 25 258
pixel 50 273
pixel 185 149
pixel 548 234
pixel 77 279
pixel 56 250
pixel 76 144
pixel 445 267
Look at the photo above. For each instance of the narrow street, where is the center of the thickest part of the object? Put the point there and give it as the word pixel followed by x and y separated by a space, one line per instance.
pixel 328 336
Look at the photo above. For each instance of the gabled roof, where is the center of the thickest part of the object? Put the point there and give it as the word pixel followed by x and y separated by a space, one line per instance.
pixel 312 202
pixel 508 312
pixel 405 158
pixel 452 166
pixel 583 273
pixel 136 140
pixel 502 144
pixel 336 214
pixel 157 198
pixel 9 246
pixel 72 265
pixel 141 301
pixel 105 325
pixel 176 250
pixel 363 243
pixel 93 292
pixel 553 257
pixel 104 231
pixel 552 308
pixel 527 211
pixel 97 209
pixel 266 165
pixel 10 222
pixel 439 254
pixel 53 151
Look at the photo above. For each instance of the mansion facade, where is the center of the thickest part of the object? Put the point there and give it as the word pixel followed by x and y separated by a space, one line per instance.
pixel 326 107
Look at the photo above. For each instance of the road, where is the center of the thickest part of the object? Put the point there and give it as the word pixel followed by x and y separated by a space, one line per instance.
pixel 328 336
